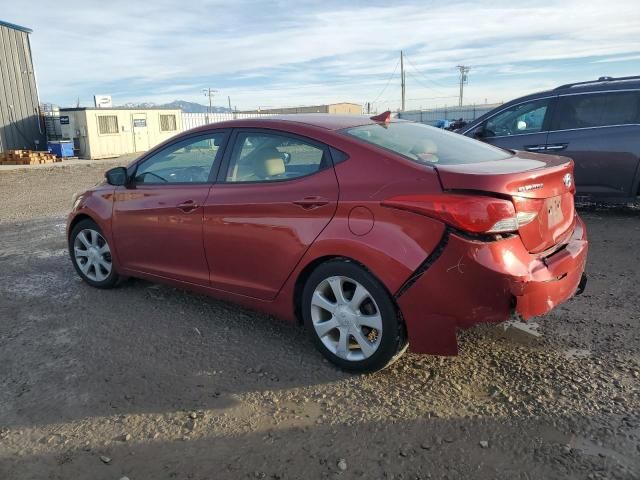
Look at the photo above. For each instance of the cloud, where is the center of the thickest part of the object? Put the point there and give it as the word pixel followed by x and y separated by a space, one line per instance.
pixel 291 53
pixel 618 59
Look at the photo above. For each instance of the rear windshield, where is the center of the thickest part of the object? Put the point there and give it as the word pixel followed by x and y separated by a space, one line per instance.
pixel 427 145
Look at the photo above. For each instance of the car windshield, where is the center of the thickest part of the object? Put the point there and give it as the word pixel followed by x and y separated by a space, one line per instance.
pixel 427 145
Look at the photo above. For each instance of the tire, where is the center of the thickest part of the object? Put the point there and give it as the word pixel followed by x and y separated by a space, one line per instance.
pixel 360 332
pixel 91 255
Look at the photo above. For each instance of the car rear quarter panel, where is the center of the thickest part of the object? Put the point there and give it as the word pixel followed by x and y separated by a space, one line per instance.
pixel 396 242
pixel 395 246
pixel 388 242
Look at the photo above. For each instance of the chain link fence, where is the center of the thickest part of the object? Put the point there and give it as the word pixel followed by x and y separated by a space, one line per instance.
pixel 193 120
pixel 431 116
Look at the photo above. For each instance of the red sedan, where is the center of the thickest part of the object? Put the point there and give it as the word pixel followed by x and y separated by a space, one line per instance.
pixel 375 233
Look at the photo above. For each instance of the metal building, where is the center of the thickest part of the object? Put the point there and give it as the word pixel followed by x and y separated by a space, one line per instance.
pixel 335 108
pixel 20 126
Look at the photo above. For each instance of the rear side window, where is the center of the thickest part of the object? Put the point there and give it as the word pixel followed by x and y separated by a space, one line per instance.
pixel 597 110
pixel 265 157
pixel 427 145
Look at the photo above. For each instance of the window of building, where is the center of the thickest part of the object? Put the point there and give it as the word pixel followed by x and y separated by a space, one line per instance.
pixel 262 157
pixel 168 123
pixel 107 124
pixel 597 110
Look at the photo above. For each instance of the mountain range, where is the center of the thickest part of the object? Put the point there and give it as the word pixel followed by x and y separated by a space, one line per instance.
pixel 187 107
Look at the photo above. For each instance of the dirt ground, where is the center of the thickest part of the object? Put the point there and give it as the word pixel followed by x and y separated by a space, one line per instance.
pixel 150 382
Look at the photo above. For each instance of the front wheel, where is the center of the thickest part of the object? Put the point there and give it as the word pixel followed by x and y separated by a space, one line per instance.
pixel 351 317
pixel 91 255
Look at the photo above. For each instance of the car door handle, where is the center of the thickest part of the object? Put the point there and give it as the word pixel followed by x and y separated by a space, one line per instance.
pixel 188 206
pixel 535 148
pixel 557 146
pixel 309 203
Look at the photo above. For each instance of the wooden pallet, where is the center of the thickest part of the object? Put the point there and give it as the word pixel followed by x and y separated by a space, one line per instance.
pixel 27 157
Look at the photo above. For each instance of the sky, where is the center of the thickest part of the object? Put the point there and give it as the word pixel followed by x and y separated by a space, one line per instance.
pixel 289 53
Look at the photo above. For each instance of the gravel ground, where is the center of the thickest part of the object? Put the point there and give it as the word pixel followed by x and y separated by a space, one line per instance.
pixel 149 382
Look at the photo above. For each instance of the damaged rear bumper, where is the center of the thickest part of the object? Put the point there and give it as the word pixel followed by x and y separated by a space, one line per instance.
pixel 475 282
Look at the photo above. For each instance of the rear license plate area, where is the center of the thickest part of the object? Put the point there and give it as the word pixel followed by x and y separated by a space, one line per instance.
pixel 553 206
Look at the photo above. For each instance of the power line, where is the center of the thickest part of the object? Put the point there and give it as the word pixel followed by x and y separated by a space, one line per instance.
pixel 425 85
pixel 395 100
pixel 423 75
pixel 441 93
pixel 402 79
pixel 433 98
pixel 385 100
pixel 388 81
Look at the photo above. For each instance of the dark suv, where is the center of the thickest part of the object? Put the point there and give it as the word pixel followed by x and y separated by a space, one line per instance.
pixel 596 123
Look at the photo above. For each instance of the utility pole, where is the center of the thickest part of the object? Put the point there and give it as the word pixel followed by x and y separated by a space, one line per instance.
pixel 463 80
pixel 402 80
pixel 230 109
pixel 209 92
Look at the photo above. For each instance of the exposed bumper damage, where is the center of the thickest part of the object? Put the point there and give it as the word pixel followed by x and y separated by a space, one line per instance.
pixel 476 282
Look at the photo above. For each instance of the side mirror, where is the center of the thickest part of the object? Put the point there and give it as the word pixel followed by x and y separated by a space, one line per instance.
pixel 286 158
pixel 478 133
pixel 117 176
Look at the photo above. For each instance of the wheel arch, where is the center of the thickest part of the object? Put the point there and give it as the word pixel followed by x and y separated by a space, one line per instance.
pixel 302 278
pixel 308 269
pixel 112 278
pixel 77 219
pixel 396 337
pixel 103 223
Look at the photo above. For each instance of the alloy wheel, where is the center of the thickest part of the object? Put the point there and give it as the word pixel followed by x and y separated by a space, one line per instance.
pixel 93 255
pixel 346 318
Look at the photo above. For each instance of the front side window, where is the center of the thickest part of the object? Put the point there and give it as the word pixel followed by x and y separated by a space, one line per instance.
pixel 189 161
pixel 264 157
pixel 427 145
pixel 523 118
pixel 597 110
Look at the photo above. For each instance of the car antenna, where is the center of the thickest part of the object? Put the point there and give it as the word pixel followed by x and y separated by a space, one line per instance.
pixel 384 117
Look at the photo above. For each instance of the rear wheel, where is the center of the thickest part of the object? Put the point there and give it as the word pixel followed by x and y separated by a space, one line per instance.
pixel 91 255
pixel 351 317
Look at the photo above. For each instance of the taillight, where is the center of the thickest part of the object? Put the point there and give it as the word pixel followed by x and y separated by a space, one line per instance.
pixel 471 213
pixel 527 208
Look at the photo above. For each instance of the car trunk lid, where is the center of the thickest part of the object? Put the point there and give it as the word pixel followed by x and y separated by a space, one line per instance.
pixel 536 184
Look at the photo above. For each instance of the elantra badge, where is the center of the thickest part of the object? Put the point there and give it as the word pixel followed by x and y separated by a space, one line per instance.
pixel 567 180
pixel 528 188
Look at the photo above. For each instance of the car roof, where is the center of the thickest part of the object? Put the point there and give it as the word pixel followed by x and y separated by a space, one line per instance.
pixel 599 85
pixel 325 121
pixel 602 84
